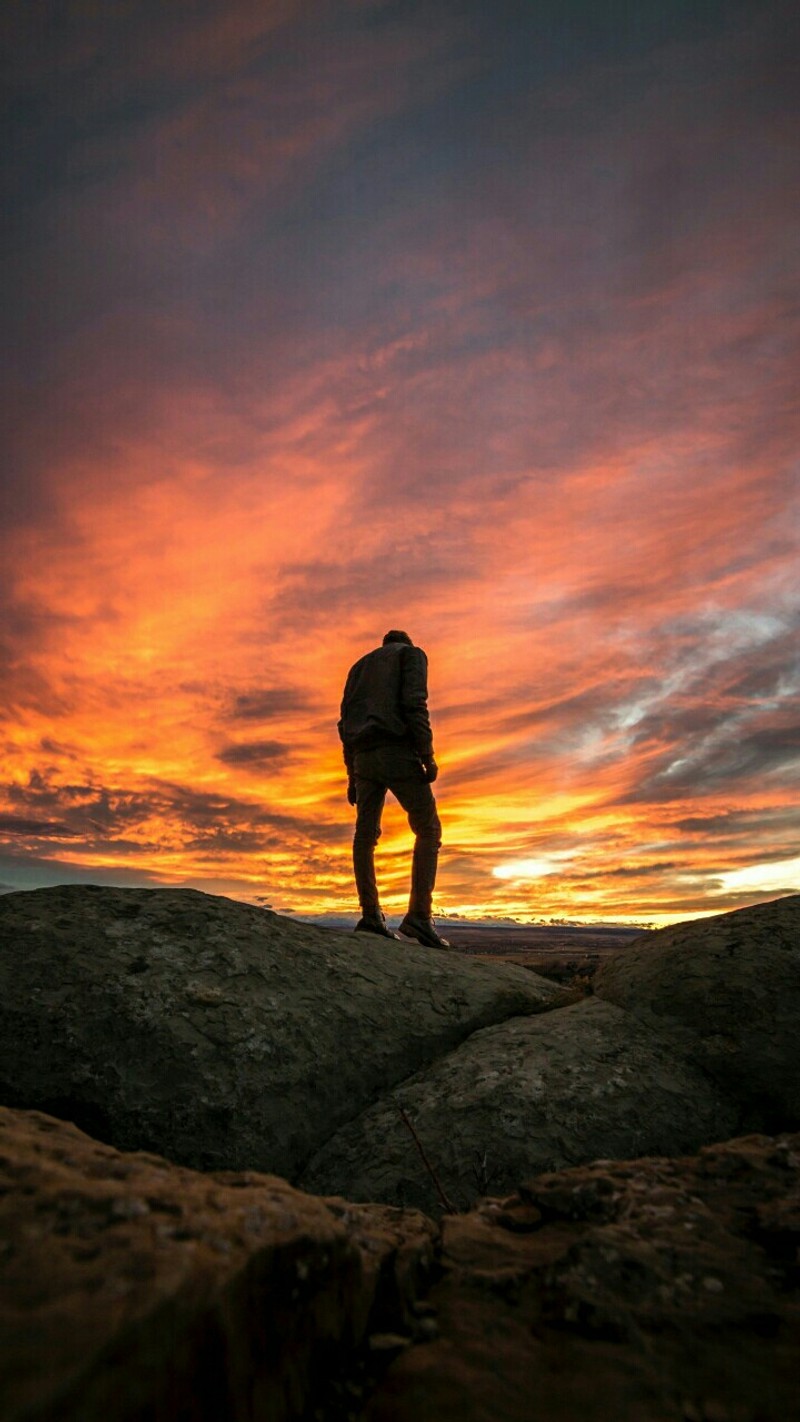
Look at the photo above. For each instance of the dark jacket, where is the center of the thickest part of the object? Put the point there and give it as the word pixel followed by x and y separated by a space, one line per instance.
pixel 385 702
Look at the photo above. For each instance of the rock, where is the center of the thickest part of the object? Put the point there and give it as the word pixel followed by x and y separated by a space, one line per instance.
pixel 730 986
pixel 220 1034
pixel 133 1288
pixel 658 1289
pixel 531 1094
pixel 647 1291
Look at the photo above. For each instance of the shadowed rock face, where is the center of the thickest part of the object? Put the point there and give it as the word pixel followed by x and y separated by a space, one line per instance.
pixel 728 988
pixel 527 1095
pixel 225 1036
pixel 136 1289
pixel 656 1289
pixel 222 1035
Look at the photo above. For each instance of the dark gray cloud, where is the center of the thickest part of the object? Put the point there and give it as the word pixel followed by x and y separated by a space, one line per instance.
pixel 254 753
pixel 102 816
pixel 268 703
pixel 36 829
pixel 740 825
pixel 754 755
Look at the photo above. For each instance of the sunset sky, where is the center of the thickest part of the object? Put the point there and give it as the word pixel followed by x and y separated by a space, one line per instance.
pixel 478 319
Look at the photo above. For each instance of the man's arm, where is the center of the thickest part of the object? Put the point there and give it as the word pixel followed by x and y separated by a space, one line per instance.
pixel 414 703
pixel 351 773
pixel 346 751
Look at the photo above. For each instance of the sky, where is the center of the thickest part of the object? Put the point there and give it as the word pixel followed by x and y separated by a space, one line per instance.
pixel 474 319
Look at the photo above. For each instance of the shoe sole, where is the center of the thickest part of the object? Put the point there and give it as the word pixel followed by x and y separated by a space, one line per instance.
pixel 425 942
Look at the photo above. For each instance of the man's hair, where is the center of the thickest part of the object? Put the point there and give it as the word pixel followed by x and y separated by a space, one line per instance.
pixel 396 636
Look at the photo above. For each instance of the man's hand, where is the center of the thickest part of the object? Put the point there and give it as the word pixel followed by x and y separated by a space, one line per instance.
pixel 351 790
pixel 430 769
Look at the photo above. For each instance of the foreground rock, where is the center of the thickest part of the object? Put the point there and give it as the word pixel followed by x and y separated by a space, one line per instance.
pixel 136 1289
pixel 533 1094
pixel 219 1034
pixel 648 1291
pixel 730 986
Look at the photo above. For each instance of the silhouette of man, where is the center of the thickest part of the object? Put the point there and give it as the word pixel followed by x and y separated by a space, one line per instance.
pixel 386 734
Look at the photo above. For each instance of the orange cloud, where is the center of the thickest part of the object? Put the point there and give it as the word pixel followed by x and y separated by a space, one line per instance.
pixel 335 336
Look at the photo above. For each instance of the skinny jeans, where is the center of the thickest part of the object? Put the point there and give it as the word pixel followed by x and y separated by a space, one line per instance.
pixel 398 769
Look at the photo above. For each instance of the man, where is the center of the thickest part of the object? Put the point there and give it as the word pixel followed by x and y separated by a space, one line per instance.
pixel 385 730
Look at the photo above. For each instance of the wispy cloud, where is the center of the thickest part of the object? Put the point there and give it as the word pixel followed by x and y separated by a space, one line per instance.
pixel 449 318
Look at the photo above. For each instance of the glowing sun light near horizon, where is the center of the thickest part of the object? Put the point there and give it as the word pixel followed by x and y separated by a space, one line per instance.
pixel 533 868
pixel 762 878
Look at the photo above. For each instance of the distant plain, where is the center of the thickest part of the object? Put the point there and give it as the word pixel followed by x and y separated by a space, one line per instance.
pixel 567 953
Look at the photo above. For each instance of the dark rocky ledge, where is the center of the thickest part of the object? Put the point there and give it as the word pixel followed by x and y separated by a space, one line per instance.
pixel 598 1265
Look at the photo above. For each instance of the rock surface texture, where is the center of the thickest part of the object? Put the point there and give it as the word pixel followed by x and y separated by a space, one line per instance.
pixel 218 1034
pixel 136 1289
pixel 226 1037
pixel 659 1290
pixel 730 986
pixel 644 1291
pixel 532 1094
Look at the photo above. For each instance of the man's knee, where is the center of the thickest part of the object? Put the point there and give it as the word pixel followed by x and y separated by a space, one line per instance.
pixel 427 827
pixel 366 833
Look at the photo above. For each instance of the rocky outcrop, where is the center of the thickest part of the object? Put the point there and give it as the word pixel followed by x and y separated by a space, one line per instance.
pixel 658 1289
pixel 728 988
pixel 220 1034
pixel 225 1036
pixel 135 1289
pixel 646 1291
pixel 528 1095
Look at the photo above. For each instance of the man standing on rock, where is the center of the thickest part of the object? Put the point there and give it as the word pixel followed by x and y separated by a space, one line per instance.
pixel 385 730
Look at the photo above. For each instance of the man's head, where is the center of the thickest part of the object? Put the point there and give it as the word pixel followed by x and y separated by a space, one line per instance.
pixel 395 636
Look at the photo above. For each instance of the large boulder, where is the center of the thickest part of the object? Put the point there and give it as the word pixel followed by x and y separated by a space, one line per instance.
pixel 728 987
pixel 664 1290
pixel 531 1094
pixel 217 1033
pixel 133 1288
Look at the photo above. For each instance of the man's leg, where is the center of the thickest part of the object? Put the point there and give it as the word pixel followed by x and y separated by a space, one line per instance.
pixel 370 797
pixel 416 797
